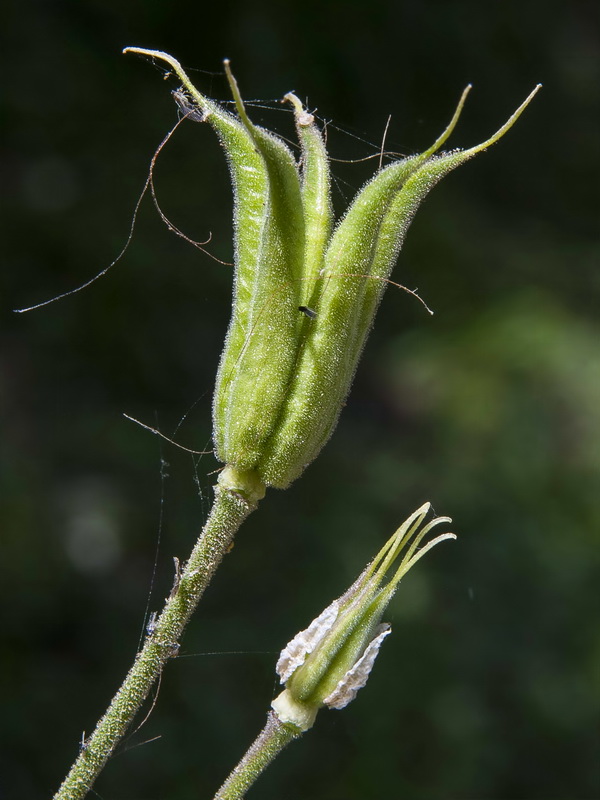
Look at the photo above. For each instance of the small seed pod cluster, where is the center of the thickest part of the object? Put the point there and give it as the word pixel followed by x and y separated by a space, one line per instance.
pixel 305 289
pixel 330 661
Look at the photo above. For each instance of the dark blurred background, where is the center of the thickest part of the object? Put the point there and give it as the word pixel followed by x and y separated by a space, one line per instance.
pixel 489 688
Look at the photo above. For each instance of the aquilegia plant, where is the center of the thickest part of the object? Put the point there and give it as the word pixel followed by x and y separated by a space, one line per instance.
pixel 306 290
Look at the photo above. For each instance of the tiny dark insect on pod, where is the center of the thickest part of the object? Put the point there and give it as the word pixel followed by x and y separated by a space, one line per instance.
pixel 308 311
pixel 187 106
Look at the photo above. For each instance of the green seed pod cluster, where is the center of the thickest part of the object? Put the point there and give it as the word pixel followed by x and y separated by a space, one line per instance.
pixel 327 663
pixel 305 290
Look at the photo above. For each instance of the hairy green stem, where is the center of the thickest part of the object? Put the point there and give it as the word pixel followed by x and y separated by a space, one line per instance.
pixel 229 510
pixel 268 744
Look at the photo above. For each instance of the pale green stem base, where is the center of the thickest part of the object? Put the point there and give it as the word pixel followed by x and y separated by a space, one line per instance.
pixel 269 743
pixel 228 512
